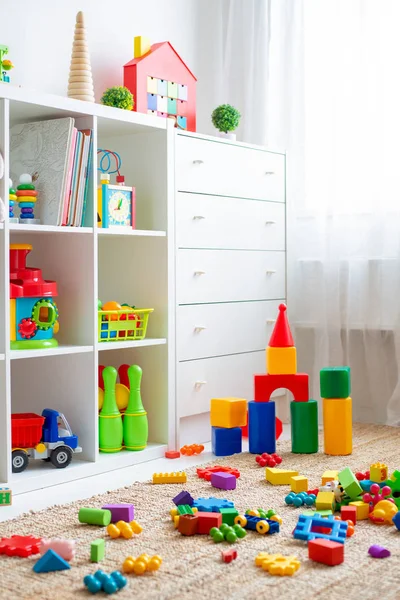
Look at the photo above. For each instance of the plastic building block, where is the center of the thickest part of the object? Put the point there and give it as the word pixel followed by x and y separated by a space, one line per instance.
pixel 143 563
pixel 394 484
pixel 268 460
pixel 281 336
pixel 208 520
pixel 376 494
pixel 307 528
pixel 94 516
pixel 20 545
pixel 326 552
pixel 258 524
pixel 264 514
pixel 226 441
pixel 172 454
pixel 279 476
pixel 5 497
pixel 378 551
pixel 192 449
pixel 178 477
pixel 266 384
pixel 349 483
pixel 338 426
pixel 276 564
pixel 281 361
pixel 361 476
pixel 378 472
pixel 227 533
pixel 349 512
pixel 228 555
pixel 383 512
pixel 298 484
pixel 120 512
pixel 362 509
pixel 51 561
pixel 300 499
pixel 335 382
pixel 228 412
pixel 206 472
pixel 183 498
pixel 64 548
pixel 184 509
pixel 228 515
pixel 262 427
pixel 212 504
pixel 325 501
pixel 102 581
pixel 329 476
pixel 141 46
pixel 396 520
pixel 97 550
pixel 223 481
pixel 188 524
pixel 304 427
pixel 123 529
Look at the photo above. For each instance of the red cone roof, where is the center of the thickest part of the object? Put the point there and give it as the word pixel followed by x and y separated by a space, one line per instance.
pixel 281 336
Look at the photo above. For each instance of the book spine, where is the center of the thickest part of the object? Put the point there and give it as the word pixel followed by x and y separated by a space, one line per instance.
pixel 87 183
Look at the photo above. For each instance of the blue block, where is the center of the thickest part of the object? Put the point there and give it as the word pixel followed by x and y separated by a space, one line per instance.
pixel 212 504
pixel 396 520
pixel 226 441
pixel 262 430
pixel 151 102
pixel 51 561
pixel 305 524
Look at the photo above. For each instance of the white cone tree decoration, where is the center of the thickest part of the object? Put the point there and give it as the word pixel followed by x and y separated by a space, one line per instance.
pixel 80 82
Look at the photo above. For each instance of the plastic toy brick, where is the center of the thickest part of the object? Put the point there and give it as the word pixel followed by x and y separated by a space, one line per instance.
pixel 349 512
pixel 349 483
pixel 225 532
pixel 102 581
pixel 184 509
pixel 212 504
pixel 262 427
pixel 378 472
pixel 120 512
pixel 228 412
pixel 362 509
pixel 335 382
pixel 228 555
pixel 305 529
pixel 258 524
pixel 376 494
pixel 268 460
pixel 192 449
pixel 123 529
pixel 208 520
pixel 279 476
pixel 228 515
pixel 281 335
pixel 5 497
pixel 205 472
pixel 65 548
pixel 175 513
pixel 183 498
pixel 143 563
pixel 20 545
pixel 276 564
pixel 394 484
pixel 265 385
pixel 300 499
pixel 172 454
pixel 223 481
pixel 226 441
pixel 97 550
pixel 94 516
pixel 188 524
pixel 396 520
pixel 383 512
pixel 329 476
pixel 281 361
pixel 326 552
pixel 360 476
pixel 378 551
pixel 325 501
pixel 178 477
pixel 324 513
pixel 51 561
pixel 298 484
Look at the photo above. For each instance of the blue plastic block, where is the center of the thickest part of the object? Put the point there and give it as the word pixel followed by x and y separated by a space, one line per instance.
pixel 226 441
pixel 151 102
pixel 366 484
pixel 262 430
pixel 252 524
pixel 396 520
pixel 183 498
pixel 51 561
pixel 305 524
pixel 212 504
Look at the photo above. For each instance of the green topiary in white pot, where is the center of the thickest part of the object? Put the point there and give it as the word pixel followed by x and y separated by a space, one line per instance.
pixel 226 119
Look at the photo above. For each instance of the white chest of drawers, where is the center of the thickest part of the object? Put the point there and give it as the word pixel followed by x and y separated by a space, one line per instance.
pixel 230 270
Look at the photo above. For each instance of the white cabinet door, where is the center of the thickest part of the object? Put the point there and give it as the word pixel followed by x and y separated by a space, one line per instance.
pixel 222 222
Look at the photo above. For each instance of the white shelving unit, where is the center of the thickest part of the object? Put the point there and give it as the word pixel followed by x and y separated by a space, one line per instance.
pixel 88 263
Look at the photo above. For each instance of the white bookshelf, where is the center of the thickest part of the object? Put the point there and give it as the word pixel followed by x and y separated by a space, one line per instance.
pixel 88 263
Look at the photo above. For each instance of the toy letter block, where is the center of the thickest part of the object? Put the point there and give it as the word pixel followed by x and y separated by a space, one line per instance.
pixel 208 520
pixel 335 382
pixel 349 513
pixel 223 481
pixel 378 472
pixel 281 361
pixel 349 483
pixel 226 441
pixel 262 427
pixel 281 336
pixel 229 515
pixel 338 426
pixel 329 476
pixel 265 385
pixel 169 477
pixel 5 497
pixel 228 412
pixel 141 45
pixel 188 524
pixel 362 510
pixel 304 426
pixel 279 476
pixel 325 501
pixel 326 552
pixel 298 484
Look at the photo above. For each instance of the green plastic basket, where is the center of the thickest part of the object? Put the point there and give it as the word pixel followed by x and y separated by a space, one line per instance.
pixel 122 325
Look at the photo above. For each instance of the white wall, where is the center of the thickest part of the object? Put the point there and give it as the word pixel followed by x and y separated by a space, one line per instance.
pixel 39 34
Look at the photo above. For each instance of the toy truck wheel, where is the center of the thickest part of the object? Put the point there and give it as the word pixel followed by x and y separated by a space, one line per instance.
pixel 262 527
pixel 61 457
pixel 19 461
pixel 241 520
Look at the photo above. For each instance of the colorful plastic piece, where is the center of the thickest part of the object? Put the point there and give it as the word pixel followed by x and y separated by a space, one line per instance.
pixel 300 499
pixel 268 460
pixel 325 501
pixel 192 449
pixel 264 514
pixel 208 520
pixel 51 561
pixel 136 427
pixel 212 504
pixel 110 418
pixel 266 384
pixel 178 477
pixel 335 382
pixel 281 336
pixel 281 361
pixel 261 427
pixel 188 524
pixel 107 583
pixel 362 509
pixel 64 548
pixel 97 550
pixel 228 412
pixel 223 481
pixel 226 441
pixel 183 498
pixel 383 512
pixel 298 484
pixel 329 476
pixel 228 555
pixel 378 472
pixel 172 454
pixel 376 494
pixel 349 483
pixel 228 515
pixel 184 509
pixel 227 533
pixel 304 427
pixel 394 484
pixel 120 512
pixel 143 563
pixel 206 472
pixel 20 545
pixel 123 529
pixel 306 525
pixel 279 476
pixel 276 564
pixel 338 426
pixel 5 497
pixel 396 520
pixel 361 476
pixel 94 516
pixel 348 512
pixel 378 551
pixel 326 552
pixel 27 198
pixel 258 524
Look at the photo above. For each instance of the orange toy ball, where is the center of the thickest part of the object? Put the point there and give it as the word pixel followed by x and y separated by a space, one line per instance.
pixel 112 305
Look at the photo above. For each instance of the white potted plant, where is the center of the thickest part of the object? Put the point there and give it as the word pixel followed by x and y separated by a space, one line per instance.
pixel 226 118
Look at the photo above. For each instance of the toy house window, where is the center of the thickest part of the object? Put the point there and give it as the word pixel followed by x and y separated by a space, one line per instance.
pixel 44 313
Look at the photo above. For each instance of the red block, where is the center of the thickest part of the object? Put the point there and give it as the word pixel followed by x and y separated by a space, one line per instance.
pixel 348 513
pixel 281 336
pixel 228 555
pixel 265 384
pixel 326 552
pixel 207 520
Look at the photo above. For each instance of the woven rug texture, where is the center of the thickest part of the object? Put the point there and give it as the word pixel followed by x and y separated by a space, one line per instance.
pixel 192 566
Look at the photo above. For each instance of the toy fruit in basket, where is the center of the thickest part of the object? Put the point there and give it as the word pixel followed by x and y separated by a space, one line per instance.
pixel 47 437
pixel 112 322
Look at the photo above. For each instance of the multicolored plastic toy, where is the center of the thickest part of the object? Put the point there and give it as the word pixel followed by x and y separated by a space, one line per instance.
pixel 113 326
pixel 12 197
pixel 258 524
pixel 5 65
pixel 27 197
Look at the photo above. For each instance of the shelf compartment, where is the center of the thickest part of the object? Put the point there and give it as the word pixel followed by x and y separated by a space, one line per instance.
pixel 49 229
pixel 125 231
pixel 43 353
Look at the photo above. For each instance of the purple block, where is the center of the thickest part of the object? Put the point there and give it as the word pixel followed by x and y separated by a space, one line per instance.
pixel 223 481
pixel 120 512
pixel 183 498
pixel 378 551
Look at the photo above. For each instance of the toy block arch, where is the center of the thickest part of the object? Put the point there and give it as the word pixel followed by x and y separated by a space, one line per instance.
pixel 265 385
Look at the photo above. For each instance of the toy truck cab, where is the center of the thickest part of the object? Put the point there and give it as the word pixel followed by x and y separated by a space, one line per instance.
pixel 258 524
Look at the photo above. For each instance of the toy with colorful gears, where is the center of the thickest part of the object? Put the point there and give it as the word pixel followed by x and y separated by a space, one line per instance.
pixel 143 563
pixel 192 449
pixel 27 197
pixel 276 564
pixel 206 472
pixel 227 533
pixel 20 545
pixel 107 583
pixel 268 460
pixel 12 197
pixel 300 499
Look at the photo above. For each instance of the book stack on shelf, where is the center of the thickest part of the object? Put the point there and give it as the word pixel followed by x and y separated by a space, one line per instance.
pixel 58 156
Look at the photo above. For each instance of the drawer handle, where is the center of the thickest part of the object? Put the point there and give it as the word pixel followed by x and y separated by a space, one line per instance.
pixel 199 272
pixel 198 217
pixel 270 172
pixel 270 321
pixel 198 384
pixel 270 222
pixel 270 271
pixel 198 162
pixel 199 328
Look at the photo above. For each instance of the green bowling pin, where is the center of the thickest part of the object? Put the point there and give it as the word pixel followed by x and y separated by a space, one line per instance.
pixel 136 427
pixel 110 420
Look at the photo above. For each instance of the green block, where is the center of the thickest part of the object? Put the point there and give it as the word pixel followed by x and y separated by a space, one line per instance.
pixel 185 509
pixel 335 382
pixel 324 513
pixel 304 416
pixel 309 513
pixel 97 550
pixel 394 484
pixel 228 515
pixel 349 483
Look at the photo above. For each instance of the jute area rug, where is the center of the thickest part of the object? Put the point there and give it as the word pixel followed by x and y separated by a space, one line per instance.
pixel 192 566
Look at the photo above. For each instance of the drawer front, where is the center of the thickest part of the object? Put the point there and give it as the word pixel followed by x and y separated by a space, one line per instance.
pixel 220 168
pixel 227 275
pixel 219 222
pixel 206 330
pixel 201 380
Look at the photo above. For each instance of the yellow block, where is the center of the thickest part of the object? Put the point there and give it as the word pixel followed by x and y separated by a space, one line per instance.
pixel 378 472
pixel 228 412
pixel 329 476
pixel 362 509
pixel 279 476
pixel 281 361
pixel 338 427
pixel 179 477
pixel 13 324
pixel 298 484
pixel 141 45
pixel 325 501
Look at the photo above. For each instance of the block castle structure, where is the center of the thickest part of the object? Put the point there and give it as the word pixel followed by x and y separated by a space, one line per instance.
pixel 337 410
pixel 282 373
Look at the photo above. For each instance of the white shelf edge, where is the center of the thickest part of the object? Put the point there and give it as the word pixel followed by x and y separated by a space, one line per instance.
pixel 58 351
pixel 100 346
pixel 49 229
pixel 2 356
pixel 131 232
